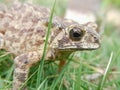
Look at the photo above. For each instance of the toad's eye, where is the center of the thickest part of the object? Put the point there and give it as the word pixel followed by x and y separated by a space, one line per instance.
pixel 76 34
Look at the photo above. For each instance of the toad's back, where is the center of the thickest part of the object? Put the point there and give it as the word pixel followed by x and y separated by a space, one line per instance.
pixel 25 27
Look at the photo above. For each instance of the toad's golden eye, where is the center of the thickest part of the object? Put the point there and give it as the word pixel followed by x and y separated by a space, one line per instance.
pixel 76 34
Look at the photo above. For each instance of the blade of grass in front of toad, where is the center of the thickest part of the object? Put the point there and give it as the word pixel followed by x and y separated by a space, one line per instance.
pixel 100 87
pixel 40 69
pixel 59 78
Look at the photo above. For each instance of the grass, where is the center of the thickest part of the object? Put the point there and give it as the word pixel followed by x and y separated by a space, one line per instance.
pixel 100 87
pixel 115 3
pixel 78 72
pixel 40 69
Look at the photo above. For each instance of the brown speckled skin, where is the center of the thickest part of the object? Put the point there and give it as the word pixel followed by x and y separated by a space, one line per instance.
pixel 23 30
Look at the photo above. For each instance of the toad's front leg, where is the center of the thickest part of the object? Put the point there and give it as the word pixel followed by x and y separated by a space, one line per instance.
pixel 23 63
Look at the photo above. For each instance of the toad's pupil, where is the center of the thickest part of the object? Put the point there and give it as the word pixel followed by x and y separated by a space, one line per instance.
pixel 76 34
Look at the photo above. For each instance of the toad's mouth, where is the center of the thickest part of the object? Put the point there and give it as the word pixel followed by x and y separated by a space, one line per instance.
pixel 81 46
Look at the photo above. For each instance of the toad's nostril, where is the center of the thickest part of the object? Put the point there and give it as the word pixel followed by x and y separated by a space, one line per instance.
pixel 96 40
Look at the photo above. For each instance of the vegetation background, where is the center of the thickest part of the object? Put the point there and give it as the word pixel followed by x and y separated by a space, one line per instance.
pixel 88 70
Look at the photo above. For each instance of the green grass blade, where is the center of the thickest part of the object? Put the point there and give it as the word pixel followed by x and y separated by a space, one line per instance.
pixel 40 69
pixel 59 78
pixel 39 88
pixel 100 87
